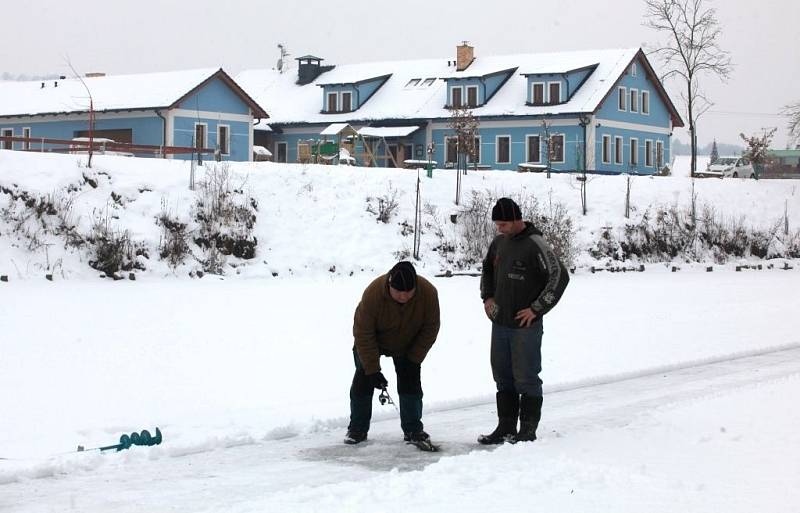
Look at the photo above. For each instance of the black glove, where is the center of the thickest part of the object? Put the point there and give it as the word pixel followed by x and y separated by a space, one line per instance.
pixel 378 381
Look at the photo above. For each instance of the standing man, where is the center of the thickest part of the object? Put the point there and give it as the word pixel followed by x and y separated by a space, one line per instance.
pixel 398 316
pixel 522 280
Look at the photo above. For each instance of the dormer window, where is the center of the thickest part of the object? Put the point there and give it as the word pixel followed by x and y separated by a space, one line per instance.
pixel 332 102
pixel 456 100
pixel 413 82
pixel 428 82
pixel 472 96
pixel 554 90
pixel 347 101
pixel 537 93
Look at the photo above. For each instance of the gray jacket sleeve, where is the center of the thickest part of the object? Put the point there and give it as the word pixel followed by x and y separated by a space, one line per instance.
pixel 557 276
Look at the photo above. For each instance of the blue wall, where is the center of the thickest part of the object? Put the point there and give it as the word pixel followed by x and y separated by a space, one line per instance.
pixel 184 130
pixel 146 130
pixel 573 141
pixel 215 96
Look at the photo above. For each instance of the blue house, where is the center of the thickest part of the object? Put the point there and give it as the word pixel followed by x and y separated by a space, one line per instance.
pixel 603 111
pixel 197 109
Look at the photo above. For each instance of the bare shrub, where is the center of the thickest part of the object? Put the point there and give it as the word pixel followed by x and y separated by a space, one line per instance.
pixel 383 207
pixel 41 219
pixel 435 223
pixel 666 233
pixel 477 230
pixel 173 245
pixel 114 250
pixel 226 217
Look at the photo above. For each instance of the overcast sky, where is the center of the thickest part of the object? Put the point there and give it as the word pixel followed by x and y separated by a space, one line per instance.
pixel 126 36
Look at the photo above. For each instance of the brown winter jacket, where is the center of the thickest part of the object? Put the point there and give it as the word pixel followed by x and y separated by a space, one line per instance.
pixel 382 326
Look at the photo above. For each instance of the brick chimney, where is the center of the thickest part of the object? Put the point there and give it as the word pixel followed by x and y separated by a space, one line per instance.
pixel 465 54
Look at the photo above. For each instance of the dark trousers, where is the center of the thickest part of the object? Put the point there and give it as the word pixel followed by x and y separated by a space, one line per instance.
pixel 516 357
pixel 409 390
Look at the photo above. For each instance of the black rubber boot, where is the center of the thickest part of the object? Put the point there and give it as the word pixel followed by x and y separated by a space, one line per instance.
pixel 507 412
pixel 530 413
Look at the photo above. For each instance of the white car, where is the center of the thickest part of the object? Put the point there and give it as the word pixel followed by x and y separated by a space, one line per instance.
pixel 731 167
pixel 82 149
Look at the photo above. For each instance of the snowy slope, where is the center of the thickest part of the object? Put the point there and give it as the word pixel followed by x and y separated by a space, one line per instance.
pixel 312 219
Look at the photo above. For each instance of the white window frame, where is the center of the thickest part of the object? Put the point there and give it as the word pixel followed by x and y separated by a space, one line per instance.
pixel 278 152
pixel 645 103
pixel 634 69
pixel 446 145
pixel 648 153
pixel 7 145
pixel 633 100
pixel 622 94
pixel 528 148
pixel 605 150
pixel 204 143
pixel 619 150
pixel 563 148
pixel 341 101
pixel 659 149
pixel 550 100
pixel 227 142
pixel 633 154
pixel 544 93
pixel 480 153
pixel 466 97
pixel 328 95
pixel 497 149
pixel 463 98
pixel 26 133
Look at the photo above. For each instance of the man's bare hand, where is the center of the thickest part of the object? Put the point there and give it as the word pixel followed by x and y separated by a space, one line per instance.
pixel 526 316
pixel 490 307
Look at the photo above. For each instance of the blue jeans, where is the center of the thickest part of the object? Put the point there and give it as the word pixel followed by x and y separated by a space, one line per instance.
pixel 516 357
pixel 409 390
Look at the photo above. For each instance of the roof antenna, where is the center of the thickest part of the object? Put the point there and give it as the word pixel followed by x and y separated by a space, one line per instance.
pixel 282 63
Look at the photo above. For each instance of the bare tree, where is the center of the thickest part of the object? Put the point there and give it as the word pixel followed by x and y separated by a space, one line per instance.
pixel 792 111
pixel 91 113
pixel 691 51
pixel 465 126
pixel 548 147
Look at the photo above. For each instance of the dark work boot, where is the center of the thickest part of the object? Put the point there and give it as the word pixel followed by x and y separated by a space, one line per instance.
pixel 354 437
pixel 507 411
pixel 530 412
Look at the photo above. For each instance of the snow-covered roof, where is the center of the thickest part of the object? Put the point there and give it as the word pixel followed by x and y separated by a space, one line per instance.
pixel 334 128
pixel 109 93
pixel 387 131
pixel 289 103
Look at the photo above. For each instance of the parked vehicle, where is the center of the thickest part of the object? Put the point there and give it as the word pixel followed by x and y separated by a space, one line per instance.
pixel 101 142
pixel 731 167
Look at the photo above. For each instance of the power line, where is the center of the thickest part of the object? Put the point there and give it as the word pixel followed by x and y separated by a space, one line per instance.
pixel 742 113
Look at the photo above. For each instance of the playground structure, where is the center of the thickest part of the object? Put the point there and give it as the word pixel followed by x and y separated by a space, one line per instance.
pixel 339 143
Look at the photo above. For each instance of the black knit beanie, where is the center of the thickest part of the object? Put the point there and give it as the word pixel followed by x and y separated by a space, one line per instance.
pixel 403 277
pixel 506 210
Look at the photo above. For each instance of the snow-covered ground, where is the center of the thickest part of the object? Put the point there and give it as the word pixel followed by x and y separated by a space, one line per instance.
pixel 663 391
